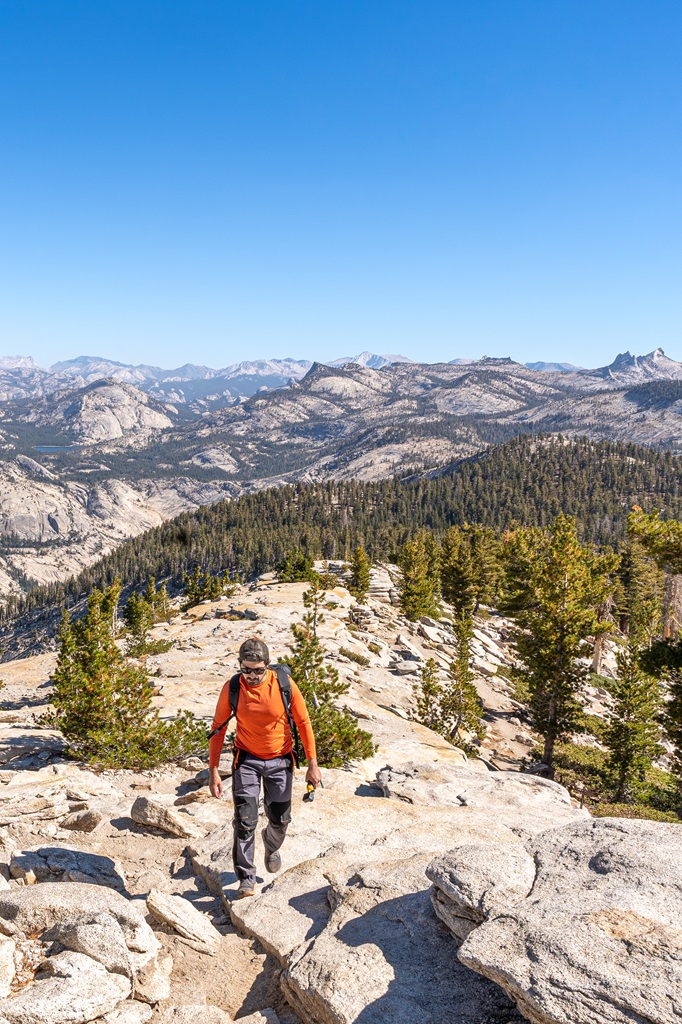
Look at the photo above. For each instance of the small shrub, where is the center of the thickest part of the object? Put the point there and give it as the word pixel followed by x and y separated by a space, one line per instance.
pixel 374 648
pixel 634 811
pixel 359 659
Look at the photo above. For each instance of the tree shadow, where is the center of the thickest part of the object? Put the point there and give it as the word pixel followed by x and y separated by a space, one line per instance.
pixel 429 983
pixel 24 702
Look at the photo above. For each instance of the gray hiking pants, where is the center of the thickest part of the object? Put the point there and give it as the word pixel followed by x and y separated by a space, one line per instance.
pixel 278 776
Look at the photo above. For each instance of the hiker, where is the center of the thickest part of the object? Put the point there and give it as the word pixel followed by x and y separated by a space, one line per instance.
pixel 269 710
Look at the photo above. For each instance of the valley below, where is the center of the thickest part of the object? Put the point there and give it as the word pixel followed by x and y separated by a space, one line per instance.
pixel 82 467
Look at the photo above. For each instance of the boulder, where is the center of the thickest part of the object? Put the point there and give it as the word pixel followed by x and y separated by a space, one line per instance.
pixel 72 989
pixel 434 636
pixel 525 802
pixel 408 648
pixel 470 880
pixel 146 811
pixel 595 939
pixel 211 859
pixel 33 909
pixel 65 864
pixel 405 668
pixel 184 919
pixel 98 936
pixel 294 910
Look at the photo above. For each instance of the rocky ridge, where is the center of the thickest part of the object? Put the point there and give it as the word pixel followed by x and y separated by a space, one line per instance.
pixel 418 886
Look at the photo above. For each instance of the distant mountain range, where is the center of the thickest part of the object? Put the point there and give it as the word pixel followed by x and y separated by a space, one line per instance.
pixel 203 386
pixel 92 451
pixel 206 388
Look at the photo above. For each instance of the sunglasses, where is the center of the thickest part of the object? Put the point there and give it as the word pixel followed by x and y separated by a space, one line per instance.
pixel 259 672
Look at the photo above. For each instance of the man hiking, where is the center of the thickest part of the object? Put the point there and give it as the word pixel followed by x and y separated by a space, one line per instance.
pixel 269 708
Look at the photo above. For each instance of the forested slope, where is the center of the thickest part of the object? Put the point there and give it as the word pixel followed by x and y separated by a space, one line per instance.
pixel 527 481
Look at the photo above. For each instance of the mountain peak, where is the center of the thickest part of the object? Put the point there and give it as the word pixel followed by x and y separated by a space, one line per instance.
pixel 629 369
pixel 370 359
pixel 18 363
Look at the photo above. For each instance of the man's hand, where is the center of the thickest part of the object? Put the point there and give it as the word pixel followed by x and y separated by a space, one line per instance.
pixel 313 775
pixel 215 783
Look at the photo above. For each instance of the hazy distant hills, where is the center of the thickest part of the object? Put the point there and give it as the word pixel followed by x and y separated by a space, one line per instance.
pixel 203 386
pixel 87 459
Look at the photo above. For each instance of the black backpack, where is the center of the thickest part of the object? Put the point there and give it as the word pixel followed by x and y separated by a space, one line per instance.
pixel 284 680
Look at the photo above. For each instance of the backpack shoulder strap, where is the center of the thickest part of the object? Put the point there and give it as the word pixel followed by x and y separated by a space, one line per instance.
pixel 284 680
pixel 233 696
pixel 234 692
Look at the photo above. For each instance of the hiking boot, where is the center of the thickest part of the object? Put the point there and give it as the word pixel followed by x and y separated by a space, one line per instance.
pixel 273 861
pixel 245 889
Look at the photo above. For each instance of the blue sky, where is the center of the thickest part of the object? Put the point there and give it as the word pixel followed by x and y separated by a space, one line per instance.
pixel 214 181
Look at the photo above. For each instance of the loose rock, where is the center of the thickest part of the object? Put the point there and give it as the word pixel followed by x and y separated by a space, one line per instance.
pixel 185 919
pixel 146 811
pixel 83 821
pixel 152 982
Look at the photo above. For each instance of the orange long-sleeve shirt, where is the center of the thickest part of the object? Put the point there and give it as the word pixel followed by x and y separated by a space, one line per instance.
pixel 262 725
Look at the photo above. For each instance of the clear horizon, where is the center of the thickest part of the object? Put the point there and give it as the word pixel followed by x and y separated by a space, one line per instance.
pixel 226 182
pixel 294 358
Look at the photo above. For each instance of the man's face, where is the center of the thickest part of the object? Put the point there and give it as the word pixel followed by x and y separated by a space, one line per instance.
pixel 254 671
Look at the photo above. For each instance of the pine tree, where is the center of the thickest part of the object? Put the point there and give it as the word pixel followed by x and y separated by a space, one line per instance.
pixel 458 585
pixel 138 617
pixel 433 556
pixel 639 595
pixel 453 707
pixel 360 569
pixel 555 585
pixel 337 736
pixel 427 694
pixel 484 546
pixel 295 567
pixel 158 600
pixel 633 731
pixel 102 703
pixel 418 593
pixel 204 586
pixel 662 538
